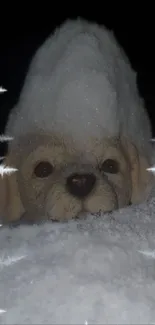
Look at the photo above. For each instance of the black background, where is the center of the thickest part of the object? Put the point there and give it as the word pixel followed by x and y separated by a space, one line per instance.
pixel 23 28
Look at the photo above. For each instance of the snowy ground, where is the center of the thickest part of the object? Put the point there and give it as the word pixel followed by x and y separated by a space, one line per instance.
pixel 99 270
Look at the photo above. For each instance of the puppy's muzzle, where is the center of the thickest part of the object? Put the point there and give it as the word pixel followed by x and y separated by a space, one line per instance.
pixel 81 185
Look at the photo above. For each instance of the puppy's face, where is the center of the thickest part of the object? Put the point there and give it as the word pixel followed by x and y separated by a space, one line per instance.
pixel 57 180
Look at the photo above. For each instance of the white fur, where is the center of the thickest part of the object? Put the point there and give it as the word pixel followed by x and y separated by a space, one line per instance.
pixel 80 82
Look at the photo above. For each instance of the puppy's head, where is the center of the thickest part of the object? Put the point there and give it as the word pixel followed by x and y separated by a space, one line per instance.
pixel 59 180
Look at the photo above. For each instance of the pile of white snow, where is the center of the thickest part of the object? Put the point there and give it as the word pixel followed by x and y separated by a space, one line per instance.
pixel 99 270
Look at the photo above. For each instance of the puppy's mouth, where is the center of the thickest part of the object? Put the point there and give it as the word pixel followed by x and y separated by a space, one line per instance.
pixel 28 219
pixel 31 218
pixel 81 215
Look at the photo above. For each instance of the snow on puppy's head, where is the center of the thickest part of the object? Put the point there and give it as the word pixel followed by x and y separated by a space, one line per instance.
pixel 80 81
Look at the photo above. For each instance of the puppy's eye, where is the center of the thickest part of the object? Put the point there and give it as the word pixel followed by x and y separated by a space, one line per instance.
pixel 110 166
pixel 43 169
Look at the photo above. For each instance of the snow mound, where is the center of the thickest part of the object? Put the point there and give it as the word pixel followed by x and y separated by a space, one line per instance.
pixel 98 270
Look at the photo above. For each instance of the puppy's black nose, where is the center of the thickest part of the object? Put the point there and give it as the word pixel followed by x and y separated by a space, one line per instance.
pixel 80 185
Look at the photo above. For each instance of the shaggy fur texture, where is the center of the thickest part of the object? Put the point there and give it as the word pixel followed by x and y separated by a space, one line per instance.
pixel 81 117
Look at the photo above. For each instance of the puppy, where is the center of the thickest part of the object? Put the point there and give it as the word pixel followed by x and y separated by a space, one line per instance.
pixel 81 132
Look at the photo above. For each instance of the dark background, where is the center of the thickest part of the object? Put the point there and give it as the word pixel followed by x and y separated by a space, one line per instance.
pixel 23 29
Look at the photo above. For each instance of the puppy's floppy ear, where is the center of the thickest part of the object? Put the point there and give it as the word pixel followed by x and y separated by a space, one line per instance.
pixel 11 207
pixel 3 196
pixel 142 180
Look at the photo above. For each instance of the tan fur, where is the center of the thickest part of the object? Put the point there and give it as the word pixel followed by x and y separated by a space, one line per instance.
pixel 48 198
pixel 11 207
pixel 142 180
